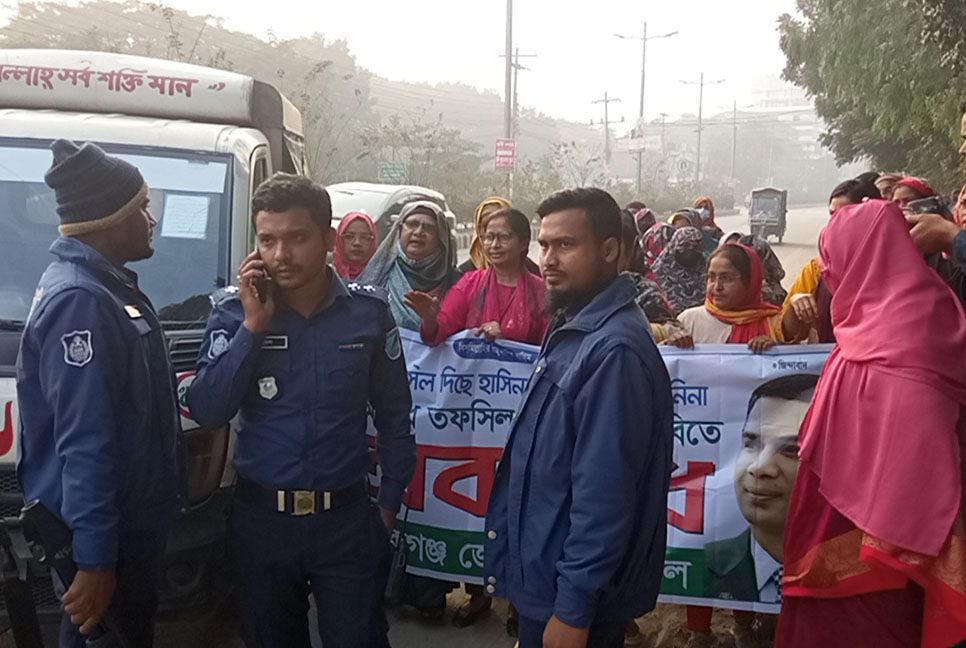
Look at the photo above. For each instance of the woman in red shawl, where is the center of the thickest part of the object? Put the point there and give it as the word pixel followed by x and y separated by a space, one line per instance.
pixel 355 243
pixel 733 311
pixel 503 300
pixel 875 549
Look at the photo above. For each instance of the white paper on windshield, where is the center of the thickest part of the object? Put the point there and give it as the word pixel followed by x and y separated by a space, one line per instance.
pixel 185 216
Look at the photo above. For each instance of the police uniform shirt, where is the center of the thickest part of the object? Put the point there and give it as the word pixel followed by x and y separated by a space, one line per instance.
pixel 303 391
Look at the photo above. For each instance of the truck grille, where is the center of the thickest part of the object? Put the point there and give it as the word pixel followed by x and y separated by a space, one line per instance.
pixel 184 349
pixel 11 501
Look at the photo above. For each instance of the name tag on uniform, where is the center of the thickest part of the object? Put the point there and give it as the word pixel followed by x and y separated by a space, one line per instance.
pixel 352 347
pixel 132 311
pixel 275 343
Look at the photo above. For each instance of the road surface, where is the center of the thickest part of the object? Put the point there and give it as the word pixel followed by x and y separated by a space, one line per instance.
pixel 663 628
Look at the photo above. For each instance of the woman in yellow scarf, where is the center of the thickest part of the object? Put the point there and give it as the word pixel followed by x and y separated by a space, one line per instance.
pixel 477 260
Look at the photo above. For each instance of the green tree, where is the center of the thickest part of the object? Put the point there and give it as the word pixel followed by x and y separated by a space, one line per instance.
pixel 878 82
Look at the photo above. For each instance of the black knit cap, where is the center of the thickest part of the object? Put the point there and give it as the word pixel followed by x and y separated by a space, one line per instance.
pixel 94 190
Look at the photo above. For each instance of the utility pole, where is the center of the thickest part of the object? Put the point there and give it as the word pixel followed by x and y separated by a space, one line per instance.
pixel 508 94
pixel 606 101
pixel 640 110
pixel 515 106
pixel 701 84
pixel 734 142
pixel 508 90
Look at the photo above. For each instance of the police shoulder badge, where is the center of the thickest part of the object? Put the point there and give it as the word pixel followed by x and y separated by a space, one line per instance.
pixel 393 344
pixel 218 344
pixel 78 350
pixel 267 387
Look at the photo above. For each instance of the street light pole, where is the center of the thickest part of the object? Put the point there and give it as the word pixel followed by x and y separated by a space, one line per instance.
pixel 640 111
pixel 640 115
pixel 697 165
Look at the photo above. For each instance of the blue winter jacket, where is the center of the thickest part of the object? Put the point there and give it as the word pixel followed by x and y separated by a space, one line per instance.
pixel 577 516
pixel 99 424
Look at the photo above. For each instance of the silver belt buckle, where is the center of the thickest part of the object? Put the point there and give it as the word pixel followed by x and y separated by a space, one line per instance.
pixel 303 502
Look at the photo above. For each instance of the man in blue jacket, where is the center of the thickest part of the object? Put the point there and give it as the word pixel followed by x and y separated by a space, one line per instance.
pixel 303 356
pixel 575 532
pixel 98 412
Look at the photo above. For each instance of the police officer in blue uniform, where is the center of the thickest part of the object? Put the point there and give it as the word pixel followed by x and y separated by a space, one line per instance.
pixel 98 412
pixel 302 357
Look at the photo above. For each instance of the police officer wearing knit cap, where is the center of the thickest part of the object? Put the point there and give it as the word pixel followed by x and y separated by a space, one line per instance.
pixel 99 423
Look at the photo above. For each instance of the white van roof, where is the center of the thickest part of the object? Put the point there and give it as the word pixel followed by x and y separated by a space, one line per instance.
pixel 102 82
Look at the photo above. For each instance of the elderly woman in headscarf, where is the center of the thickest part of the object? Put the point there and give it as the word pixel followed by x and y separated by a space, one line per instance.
pixel 704 207
pixel 774 272
pixel 650 297
pixel 686 217
pixel 418 254
pixel 680 270
pixel 478 260
pixel 655 239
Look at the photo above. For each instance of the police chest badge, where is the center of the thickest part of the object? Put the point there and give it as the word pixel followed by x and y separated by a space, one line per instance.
pixel 393 344
pixel 219 343
pixel 267 387
pixel 77 348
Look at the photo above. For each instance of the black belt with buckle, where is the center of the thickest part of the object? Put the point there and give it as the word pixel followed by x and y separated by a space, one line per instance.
pixel 297 502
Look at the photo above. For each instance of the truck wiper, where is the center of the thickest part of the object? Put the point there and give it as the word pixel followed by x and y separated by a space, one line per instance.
pixel 11 325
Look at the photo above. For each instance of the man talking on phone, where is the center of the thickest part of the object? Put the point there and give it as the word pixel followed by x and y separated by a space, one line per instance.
pixel 302 356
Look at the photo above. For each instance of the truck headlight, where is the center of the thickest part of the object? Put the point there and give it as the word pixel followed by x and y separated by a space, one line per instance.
pixel 206 451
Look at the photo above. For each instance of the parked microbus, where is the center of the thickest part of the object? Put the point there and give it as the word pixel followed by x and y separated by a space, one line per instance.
pixel 203 139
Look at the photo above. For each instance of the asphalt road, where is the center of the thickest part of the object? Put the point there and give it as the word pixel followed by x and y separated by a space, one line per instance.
pixel 407 629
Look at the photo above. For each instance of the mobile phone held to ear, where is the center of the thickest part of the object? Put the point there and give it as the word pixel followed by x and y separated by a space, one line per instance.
pixel 262 286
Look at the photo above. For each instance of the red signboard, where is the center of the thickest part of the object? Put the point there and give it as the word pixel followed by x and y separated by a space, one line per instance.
pixel 506 153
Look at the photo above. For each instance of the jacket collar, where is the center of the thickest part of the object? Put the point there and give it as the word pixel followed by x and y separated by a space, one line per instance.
pixel 616 295
pixel 74 250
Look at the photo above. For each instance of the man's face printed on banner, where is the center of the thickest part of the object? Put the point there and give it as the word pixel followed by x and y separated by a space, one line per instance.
pixel 767 465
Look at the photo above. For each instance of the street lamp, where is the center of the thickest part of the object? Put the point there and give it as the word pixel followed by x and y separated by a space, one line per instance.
pixel 640 110
pixel 701 83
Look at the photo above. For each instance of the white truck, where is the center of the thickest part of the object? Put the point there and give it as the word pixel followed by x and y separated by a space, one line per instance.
pixel 203 139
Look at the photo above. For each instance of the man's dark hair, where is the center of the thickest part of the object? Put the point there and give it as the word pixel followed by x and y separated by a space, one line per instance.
pixel 738 257
pixel 962 108
pixel 603 212
pixel 856 189
pixel 635 206
pixel 790 387
pixel 284 191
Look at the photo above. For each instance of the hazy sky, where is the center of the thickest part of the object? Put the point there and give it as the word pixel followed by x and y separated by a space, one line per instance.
pixel 578 58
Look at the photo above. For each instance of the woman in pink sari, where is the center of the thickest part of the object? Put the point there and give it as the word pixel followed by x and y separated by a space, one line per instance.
pixel 875 548
pixel 502 301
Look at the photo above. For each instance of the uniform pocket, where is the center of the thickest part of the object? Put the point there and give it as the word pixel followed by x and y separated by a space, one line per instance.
pixel 347 379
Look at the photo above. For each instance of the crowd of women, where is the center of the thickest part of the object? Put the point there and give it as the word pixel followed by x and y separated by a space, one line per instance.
pixel 875 548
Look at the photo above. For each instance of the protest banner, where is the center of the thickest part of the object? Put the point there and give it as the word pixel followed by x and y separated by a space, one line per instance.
pixel 735 442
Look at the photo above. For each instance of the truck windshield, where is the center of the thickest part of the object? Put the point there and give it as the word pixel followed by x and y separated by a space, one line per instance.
pixel 190 199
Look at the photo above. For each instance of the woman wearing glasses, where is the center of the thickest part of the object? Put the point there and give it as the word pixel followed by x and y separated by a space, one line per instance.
pixel 502 301
pixel 419 254
pixel 355 243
